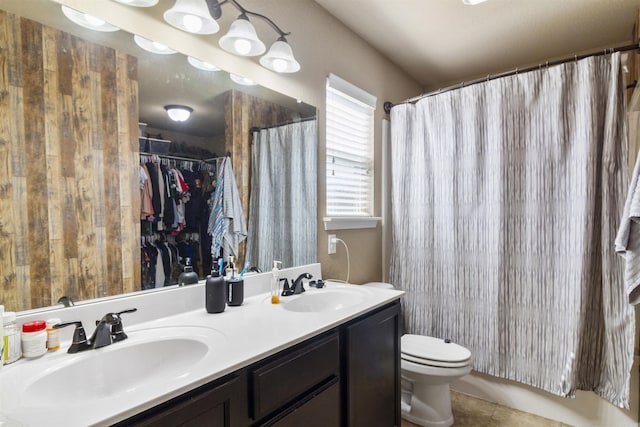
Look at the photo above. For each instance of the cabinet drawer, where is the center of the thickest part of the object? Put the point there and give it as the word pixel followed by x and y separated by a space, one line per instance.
pixel 289 376
pixel 321 409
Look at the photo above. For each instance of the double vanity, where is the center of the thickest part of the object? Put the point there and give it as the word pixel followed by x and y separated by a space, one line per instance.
pixel 326 357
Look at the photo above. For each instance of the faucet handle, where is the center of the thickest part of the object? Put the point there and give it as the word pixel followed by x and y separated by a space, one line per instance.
pixel 79 341
pixel 286 290
pixel 117 333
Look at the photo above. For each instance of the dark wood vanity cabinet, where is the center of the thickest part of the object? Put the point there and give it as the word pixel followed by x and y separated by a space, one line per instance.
pixel 346 377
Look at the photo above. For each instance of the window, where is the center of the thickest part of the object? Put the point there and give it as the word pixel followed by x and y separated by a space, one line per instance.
pixel 349 137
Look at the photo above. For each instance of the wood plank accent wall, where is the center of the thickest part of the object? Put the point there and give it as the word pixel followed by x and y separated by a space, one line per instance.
pixel 242 112
pixel 69 196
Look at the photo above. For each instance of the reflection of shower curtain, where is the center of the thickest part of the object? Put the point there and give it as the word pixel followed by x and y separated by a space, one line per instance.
pixel 506 197
pixel 283 202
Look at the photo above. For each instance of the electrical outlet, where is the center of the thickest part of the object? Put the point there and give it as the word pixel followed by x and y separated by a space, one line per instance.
pixel 332 244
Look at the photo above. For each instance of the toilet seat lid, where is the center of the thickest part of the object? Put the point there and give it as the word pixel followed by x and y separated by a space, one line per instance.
pixel 433 351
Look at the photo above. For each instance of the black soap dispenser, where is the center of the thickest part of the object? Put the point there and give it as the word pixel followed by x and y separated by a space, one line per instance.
pixel 215 293
pixel 188 276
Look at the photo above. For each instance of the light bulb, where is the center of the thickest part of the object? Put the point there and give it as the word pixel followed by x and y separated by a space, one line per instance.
pixel 192 23
pixel 242 46
pixel 279 65
pixel 93 20
pixel 160 46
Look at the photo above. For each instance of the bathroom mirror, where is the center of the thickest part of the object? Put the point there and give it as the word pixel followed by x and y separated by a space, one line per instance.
pixel 42 264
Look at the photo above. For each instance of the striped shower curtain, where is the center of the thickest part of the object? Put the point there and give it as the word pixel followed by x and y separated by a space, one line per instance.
pixel 506 197
pixel 283 201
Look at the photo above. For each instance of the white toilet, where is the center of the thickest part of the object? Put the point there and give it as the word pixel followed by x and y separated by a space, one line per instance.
pixel 428 366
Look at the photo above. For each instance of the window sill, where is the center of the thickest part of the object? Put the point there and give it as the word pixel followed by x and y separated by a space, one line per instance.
pixel 350 223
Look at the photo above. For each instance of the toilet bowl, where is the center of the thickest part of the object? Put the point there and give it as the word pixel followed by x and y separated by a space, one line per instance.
pixel 429 365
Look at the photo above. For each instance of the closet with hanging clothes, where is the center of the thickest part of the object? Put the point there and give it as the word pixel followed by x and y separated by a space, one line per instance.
pixel 173 216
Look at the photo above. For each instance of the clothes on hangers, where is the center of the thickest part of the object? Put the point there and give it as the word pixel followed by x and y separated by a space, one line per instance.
pixel 174 196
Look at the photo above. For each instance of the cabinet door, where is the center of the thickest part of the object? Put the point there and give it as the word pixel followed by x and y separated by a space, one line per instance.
pixel 372 370
pixel 219 404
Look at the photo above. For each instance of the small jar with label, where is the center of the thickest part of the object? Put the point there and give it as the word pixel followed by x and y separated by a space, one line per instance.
pixel 34 339
pixel 53 334
pixel 12 344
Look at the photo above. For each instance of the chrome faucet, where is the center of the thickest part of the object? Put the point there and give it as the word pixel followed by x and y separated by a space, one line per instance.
pixel 108 330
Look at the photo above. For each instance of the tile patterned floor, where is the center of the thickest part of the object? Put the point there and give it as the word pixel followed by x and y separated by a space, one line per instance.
pixel 472 412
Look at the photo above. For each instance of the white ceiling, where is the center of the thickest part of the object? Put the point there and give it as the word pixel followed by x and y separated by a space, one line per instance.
pixel 444 42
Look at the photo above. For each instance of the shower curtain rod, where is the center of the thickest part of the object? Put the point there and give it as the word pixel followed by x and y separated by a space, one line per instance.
pixel 290 122
pixel 388 105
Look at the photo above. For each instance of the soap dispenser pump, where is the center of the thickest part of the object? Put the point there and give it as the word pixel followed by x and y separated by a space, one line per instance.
pixel 188 276
pixel 275 283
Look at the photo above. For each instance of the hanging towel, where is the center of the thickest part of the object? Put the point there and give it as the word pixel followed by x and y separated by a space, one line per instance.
pixel 216 218
pixel 628 238
pixel 235 228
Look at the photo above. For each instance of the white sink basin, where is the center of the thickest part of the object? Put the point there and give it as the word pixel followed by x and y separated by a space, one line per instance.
pixel 149 358
pixel 323 300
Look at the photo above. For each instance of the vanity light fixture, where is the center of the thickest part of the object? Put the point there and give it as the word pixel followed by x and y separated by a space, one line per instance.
pixel 178 113
pixel 139 3
pixel 242 80
pixel 473 2
pixel 153 47
pixel 199 17
pixel 87 21
pixel 192 16
pixel 202 65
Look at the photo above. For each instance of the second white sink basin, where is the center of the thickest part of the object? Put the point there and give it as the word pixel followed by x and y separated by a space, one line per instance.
pixel 323 300
pixel 148 358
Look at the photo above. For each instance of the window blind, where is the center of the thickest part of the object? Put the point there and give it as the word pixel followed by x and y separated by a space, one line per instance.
pixel 349 140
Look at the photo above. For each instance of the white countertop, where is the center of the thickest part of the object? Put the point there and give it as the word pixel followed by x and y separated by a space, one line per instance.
pixel 241 335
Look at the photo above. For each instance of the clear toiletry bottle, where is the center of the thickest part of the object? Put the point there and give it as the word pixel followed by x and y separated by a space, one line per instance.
pixel 231 269
pixel 275 284
pixel 12 343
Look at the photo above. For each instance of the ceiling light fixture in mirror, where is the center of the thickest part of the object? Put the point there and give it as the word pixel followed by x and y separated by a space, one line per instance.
pixel 202 65
pixel 153 47
pixel 139 3
pixel 241 80
pixel 178 113
pixel 88 21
